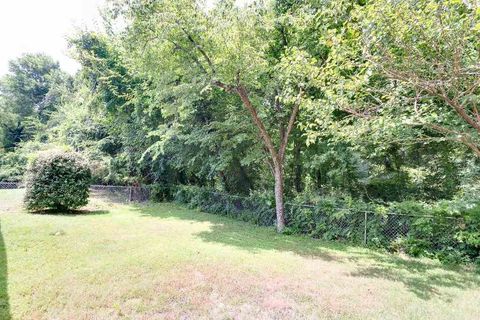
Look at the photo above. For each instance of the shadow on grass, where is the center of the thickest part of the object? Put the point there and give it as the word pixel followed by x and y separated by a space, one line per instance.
pixel 423 277
pixel 4 300
pixel 70 213
pixel 244 235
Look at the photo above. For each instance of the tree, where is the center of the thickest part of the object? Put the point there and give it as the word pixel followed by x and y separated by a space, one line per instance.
pixel 112 123
pixel 387 118
pixel 31 90
pixel 226 48
pixel 432 48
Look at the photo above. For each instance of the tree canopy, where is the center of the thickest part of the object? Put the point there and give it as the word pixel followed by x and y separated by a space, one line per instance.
pixel 373 100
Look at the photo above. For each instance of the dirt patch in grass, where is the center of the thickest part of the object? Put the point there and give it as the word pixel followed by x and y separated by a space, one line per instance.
pixel 222 291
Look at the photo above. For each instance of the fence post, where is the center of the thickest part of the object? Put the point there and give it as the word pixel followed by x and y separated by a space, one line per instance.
pixel 130 194
pixel 365 230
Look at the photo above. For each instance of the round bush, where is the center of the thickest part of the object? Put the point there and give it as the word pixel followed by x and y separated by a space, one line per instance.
pixel 57 180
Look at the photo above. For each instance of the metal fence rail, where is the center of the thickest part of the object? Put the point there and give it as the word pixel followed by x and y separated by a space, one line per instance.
pixel 391 230
pixel 10 185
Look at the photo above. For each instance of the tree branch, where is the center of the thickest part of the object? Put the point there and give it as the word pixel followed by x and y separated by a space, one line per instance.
pixel 460 110
pixel 200 49
pixel 224 86
pixel 459 136
pixel 193 57
pixel 434 89
pixel 291 122
pixel 242 93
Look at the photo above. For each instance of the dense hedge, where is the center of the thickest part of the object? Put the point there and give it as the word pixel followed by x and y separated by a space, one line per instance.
pixel 444 230
pixel 57 180
pixel 255 209
pixel 448 230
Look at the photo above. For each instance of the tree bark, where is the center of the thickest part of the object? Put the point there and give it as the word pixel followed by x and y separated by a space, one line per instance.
pixel 277 156
pixel 279 205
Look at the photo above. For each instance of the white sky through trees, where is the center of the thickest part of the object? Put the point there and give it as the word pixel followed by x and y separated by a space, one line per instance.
pixel 30 26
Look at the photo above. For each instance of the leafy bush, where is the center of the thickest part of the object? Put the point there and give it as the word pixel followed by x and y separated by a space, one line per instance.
pixel 57 180
pixel 160 192
pixel 12 166
pixel 256 208
pixel 447 230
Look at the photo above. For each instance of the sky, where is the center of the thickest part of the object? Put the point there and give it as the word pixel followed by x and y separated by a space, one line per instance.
pixel 30 26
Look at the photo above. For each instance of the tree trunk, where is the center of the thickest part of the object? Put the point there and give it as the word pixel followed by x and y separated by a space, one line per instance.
pixel 279 205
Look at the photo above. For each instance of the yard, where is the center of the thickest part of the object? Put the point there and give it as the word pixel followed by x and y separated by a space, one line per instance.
pixel 162 261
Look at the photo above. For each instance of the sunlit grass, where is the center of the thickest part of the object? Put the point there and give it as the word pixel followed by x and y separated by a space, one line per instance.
pixel 163 261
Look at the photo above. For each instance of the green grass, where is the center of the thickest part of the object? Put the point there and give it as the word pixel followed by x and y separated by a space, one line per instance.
pixel 163 261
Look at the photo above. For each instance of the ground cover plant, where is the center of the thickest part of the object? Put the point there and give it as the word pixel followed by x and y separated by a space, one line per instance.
pixel 447 230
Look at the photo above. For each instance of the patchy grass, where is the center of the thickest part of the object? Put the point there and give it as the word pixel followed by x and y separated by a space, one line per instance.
pixel 162 261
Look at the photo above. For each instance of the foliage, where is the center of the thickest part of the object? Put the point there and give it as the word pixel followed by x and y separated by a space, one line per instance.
pixel 447 230
pixel 12 166
pixel 31 91
pixel 353 103
pixel 142 109
pixel 435 57
pixel 57 180
pixel 256 209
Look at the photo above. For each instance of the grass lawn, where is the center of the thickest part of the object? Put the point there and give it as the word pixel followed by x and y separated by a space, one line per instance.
pixel 162 261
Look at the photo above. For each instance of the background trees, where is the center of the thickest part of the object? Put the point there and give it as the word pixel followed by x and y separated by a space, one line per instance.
pixel 228 49
pixel 431 48
pixel 30 93
pixel 351 99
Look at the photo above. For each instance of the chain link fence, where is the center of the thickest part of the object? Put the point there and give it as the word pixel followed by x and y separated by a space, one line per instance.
pixel 120 194
pixel 10 185
pixel 339 224
pixel 250 209
pixel 392 230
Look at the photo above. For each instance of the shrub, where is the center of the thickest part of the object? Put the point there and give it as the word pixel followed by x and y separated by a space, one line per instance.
pixel 447 230
pixel 159 192
pixel 57 180
pixel 256 208
pixel 12 165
